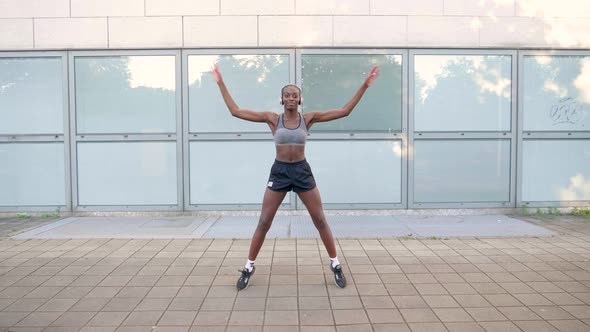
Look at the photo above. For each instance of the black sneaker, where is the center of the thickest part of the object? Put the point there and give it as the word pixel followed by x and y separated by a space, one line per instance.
pixel 245 278
pixel 339 278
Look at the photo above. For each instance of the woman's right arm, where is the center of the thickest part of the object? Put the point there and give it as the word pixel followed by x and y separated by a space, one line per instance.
pixel 233 107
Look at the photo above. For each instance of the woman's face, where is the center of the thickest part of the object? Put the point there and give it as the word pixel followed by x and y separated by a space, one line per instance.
pixel 290 97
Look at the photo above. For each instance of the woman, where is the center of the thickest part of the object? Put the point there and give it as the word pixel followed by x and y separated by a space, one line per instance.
pixel 290 170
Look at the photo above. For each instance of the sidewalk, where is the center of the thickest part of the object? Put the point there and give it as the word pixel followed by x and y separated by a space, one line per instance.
pixel 293 227
pixel 431 283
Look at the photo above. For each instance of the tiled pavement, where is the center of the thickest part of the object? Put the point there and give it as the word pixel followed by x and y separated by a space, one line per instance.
pixel 455 284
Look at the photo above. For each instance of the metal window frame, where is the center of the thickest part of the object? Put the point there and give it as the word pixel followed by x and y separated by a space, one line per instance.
pixel 356 135
pixel 70 139
pixel 125 137
pixel 465 135
pixel 542 135
pixel 189 137
pixel 64 137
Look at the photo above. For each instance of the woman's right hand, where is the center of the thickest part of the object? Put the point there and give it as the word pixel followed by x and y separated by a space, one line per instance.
pixel 372 75
pixel 216 73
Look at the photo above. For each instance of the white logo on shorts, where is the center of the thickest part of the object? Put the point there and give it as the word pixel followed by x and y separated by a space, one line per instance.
pixel 269 184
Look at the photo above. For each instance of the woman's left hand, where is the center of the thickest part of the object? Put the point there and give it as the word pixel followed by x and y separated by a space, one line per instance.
pixel 372 75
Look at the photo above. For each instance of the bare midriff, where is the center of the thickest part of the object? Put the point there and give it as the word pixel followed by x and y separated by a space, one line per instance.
pixel 290 153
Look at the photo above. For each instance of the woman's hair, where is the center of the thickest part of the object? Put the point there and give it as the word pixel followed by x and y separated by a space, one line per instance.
pixel 288 85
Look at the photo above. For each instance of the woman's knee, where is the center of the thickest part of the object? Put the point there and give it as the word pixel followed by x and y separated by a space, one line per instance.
pixel 320 222
pixel 264 223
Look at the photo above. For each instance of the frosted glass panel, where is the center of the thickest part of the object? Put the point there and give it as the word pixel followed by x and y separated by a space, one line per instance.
pixel 31 96
pixel 254 81
pixel 32 174
pixel 230 172
pixel 357 171
pixel 130 173
pixel 329 81
pixel 461 171
pixel 462 93
pixel 556 93
pixel 556 170
pixel 126 94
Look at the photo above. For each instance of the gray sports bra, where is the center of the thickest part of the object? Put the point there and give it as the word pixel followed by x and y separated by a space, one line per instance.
pixel 287 136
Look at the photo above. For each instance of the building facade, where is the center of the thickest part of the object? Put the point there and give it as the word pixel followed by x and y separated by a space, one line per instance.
pixel 108 105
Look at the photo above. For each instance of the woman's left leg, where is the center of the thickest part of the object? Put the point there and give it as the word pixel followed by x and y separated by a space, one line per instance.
pixel 313 203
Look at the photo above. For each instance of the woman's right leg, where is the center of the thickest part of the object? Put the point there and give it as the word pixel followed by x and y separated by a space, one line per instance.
pixel 270 204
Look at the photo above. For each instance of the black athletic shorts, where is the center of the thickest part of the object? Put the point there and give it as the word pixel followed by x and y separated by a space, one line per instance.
pixel 295 176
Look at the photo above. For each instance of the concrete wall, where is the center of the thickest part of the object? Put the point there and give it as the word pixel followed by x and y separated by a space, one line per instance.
pixel 104 24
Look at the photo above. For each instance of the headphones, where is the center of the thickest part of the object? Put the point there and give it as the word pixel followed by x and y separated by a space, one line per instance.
pixel 298 88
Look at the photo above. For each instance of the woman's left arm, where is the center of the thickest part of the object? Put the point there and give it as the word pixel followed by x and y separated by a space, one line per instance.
pixel 323 116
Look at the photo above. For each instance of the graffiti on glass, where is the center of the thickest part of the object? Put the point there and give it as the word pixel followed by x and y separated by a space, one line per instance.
pixel 567 110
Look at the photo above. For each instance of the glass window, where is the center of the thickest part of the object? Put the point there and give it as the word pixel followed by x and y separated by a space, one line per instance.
pixel 329 81
pixel 462 92
pixel 556 94
pixel 31 96
pixel 137 173
pixel 32 174
pixel 466 171
pixel 125 94
pixel 230 172
pixel 254 81
pixel 358 172
pixel 556 170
